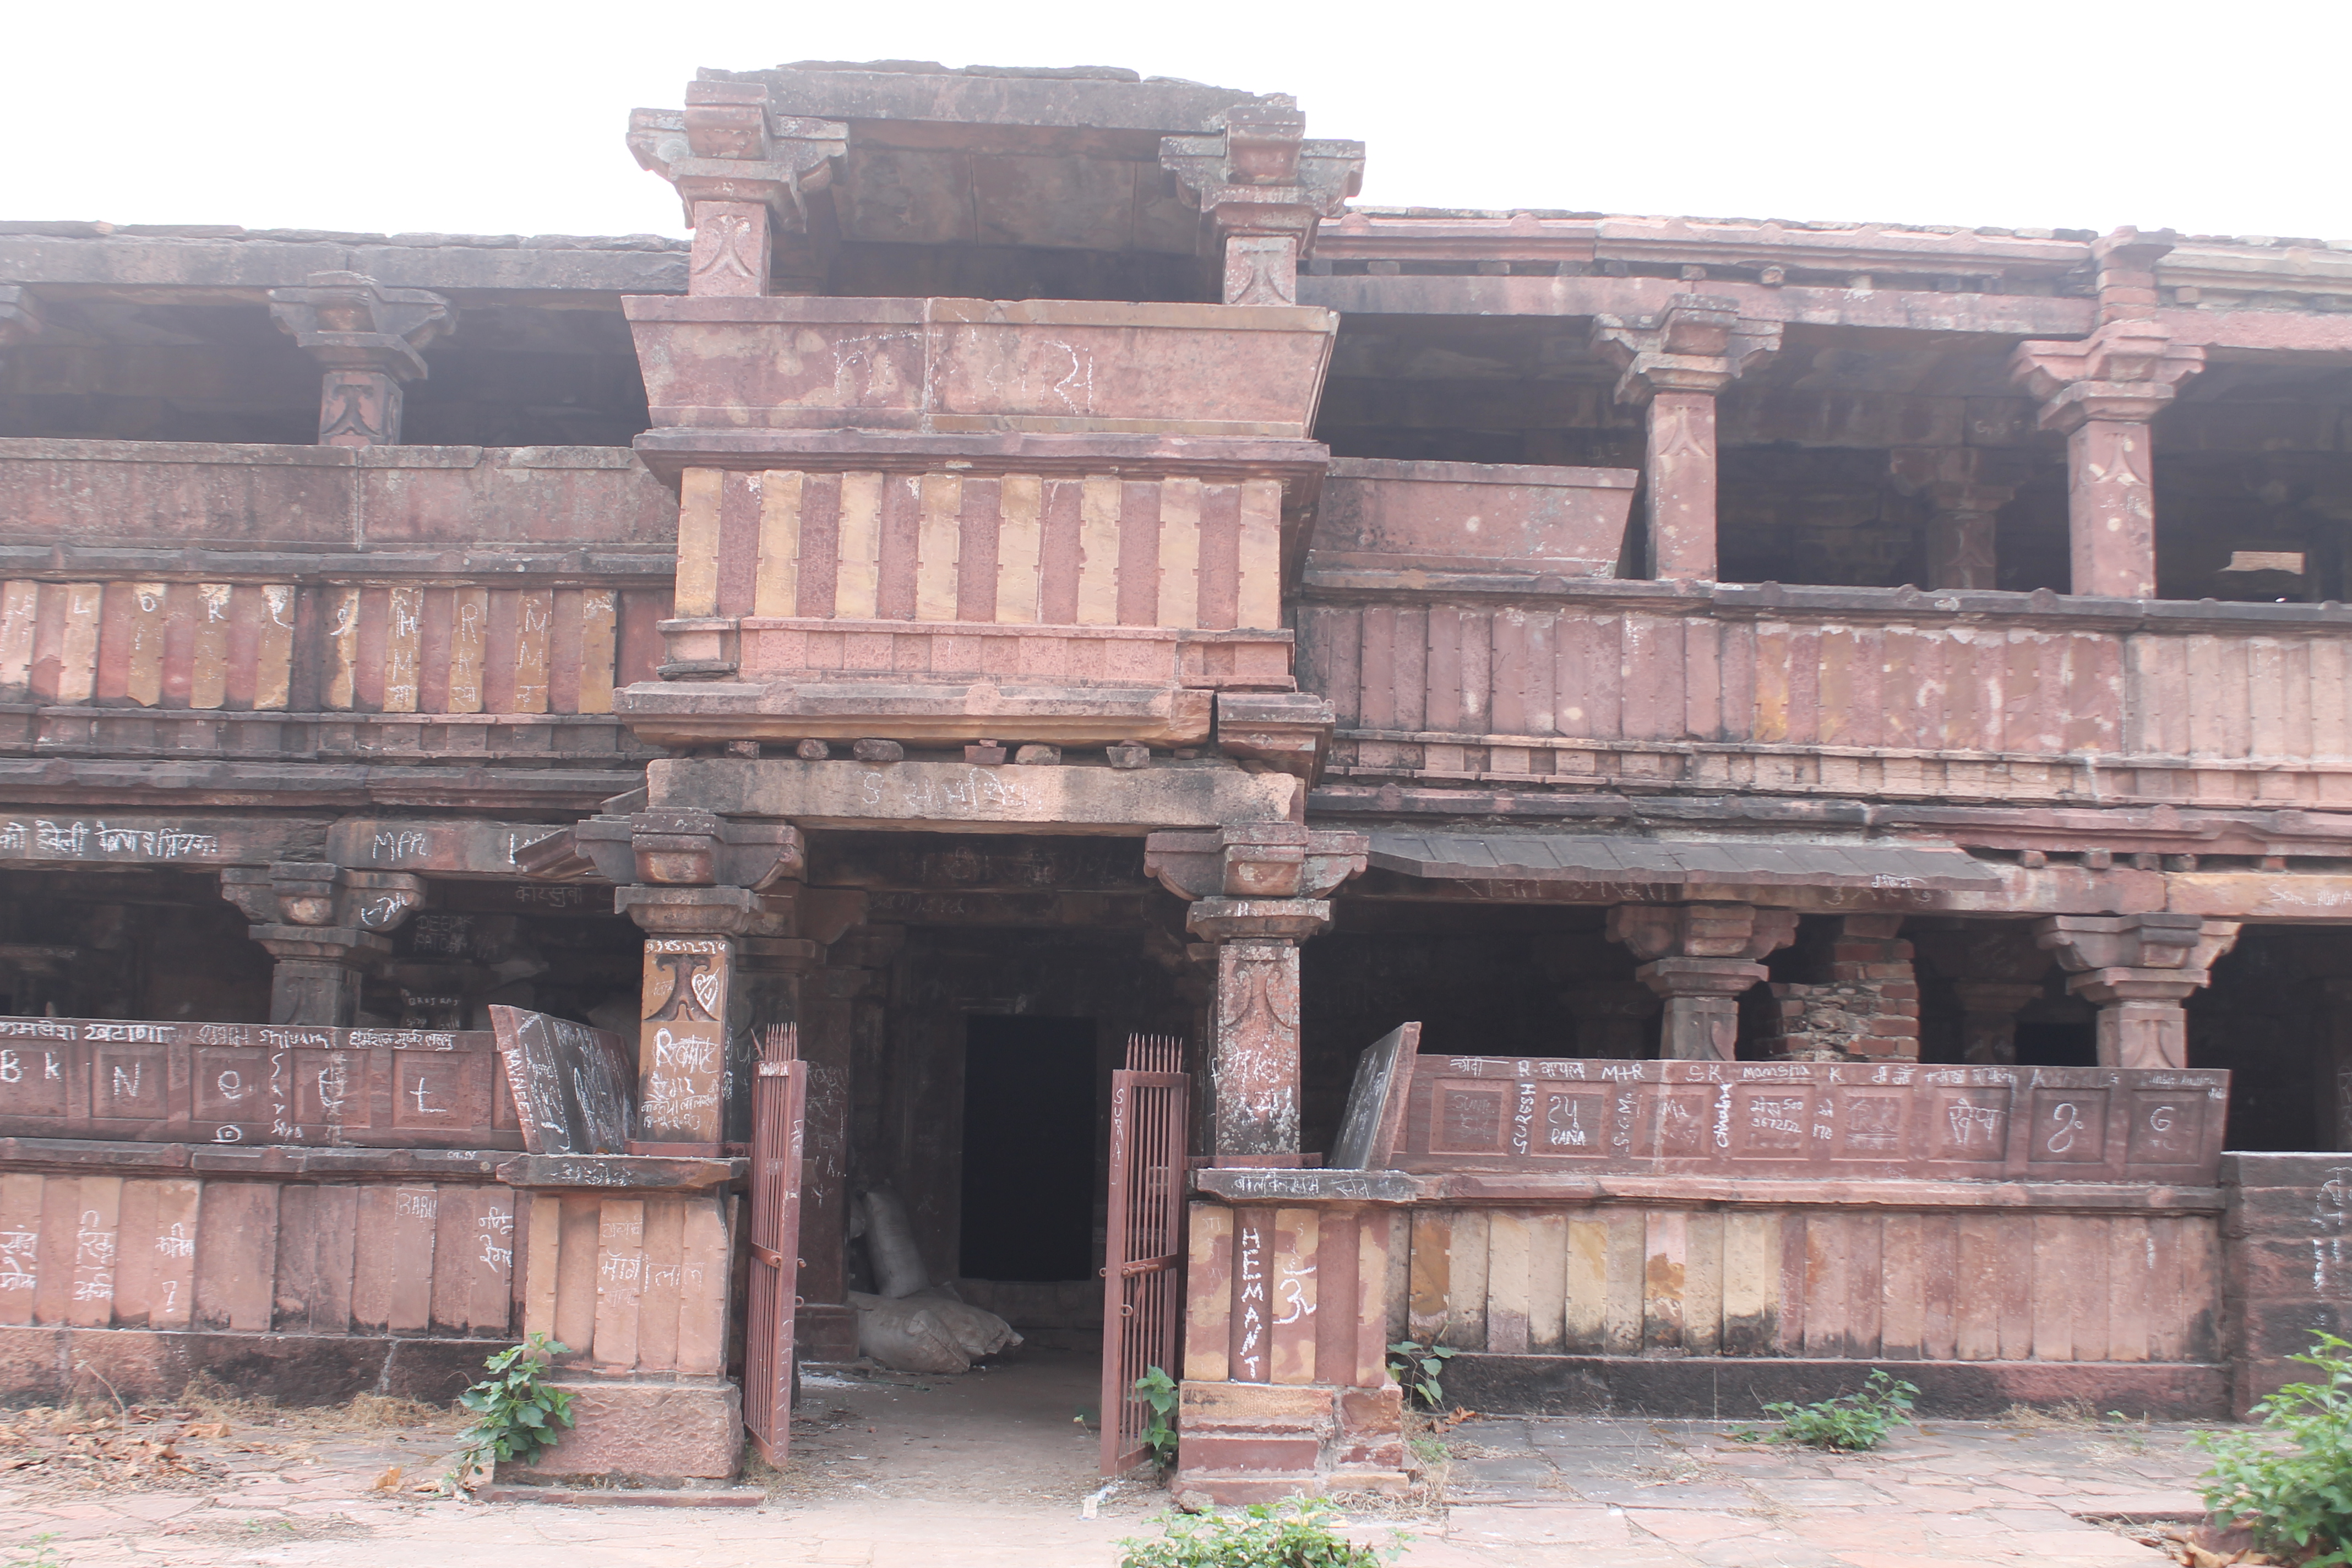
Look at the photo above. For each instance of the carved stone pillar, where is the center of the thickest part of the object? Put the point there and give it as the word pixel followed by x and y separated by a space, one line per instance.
pixel 1257 892
pixel 1701 958
pixel 2104 392
pixel 1613 1019
pixel 1996 968
pixel 369 340
pixel 2139 970
pixel 326 927
pixel 698 884
pixel 1675 363
pixel 745 174
pixel 1962 489
pixel 1264 188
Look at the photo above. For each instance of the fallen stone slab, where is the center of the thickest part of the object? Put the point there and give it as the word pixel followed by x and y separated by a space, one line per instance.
pixel 628 1497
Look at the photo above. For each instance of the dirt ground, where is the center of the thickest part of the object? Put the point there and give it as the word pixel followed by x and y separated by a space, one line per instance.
pixel 890 1471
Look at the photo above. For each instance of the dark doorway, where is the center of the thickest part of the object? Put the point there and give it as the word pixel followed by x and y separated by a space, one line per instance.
pixel 1028 1149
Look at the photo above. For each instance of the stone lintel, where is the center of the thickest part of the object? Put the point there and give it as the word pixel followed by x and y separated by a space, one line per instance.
pixel 955 797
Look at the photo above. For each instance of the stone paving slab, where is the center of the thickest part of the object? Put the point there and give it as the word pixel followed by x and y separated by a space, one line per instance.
pixel 1525 1493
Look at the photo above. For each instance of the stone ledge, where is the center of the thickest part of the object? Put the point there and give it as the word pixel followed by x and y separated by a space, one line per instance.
pixel 1734 1387
pixel 39 1362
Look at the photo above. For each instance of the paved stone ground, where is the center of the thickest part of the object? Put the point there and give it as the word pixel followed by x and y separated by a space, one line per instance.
pixel 1629 1493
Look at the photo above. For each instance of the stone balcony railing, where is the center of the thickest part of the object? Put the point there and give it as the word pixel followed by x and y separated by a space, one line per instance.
pixel 176 599
pixel 1893 693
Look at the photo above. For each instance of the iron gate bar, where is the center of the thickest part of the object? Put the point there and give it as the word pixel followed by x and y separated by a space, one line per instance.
pixel 779 1115
pixel 1143 1251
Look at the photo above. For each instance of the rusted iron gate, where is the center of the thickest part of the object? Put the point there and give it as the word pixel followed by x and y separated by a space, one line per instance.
pixel 1143 1255
pixel 779 1105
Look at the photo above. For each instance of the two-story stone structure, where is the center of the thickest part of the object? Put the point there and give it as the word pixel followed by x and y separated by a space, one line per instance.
pixel 1838 735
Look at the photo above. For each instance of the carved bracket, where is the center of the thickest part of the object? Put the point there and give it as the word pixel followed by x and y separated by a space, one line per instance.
pixel 2129 369
pixel 668 849
pixel 1697 343
pixel 729 145
pixel 1262 860
pixel 1740 931
pixel 1264 188
pixel 309 893
pixel 1288 730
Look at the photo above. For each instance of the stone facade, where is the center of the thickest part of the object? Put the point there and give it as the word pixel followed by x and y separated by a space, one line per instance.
pixel 1837 736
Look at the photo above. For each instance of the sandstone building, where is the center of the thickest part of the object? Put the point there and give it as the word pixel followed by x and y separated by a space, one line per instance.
pixel 1836 738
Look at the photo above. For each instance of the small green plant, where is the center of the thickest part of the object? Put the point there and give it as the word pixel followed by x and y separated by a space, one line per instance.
pixel 1851 1422
pixel 2297 1498
pixel 1418 1369
pixel 1159 1390
pixel 44 1554
pixel 514 1412
pixel 1293 1533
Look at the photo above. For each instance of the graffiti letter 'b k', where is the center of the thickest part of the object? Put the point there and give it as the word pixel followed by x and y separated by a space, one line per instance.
pixel 683 967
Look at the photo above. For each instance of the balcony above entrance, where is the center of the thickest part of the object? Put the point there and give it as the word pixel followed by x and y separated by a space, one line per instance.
pixel 949 522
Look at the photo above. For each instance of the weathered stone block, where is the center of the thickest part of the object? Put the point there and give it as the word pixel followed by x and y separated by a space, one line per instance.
pixel 662 1431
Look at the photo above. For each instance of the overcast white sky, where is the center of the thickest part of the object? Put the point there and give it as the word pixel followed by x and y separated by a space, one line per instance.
pixel 506 116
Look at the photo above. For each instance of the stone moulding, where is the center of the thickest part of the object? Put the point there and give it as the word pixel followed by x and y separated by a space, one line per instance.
pixel 982 366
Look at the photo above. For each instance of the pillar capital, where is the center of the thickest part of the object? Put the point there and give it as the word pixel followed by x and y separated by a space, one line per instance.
pixel 668 849
pixel 2186 944
pixel 1698 342
pixel 1264 188
pixel 2139 970
pixel 1255 861
pixel 2102 392
pixel 743 173
pixel 1740 931
pixel 1674 362
pixel 368 340
pixel 2127 370
pixel 1701 958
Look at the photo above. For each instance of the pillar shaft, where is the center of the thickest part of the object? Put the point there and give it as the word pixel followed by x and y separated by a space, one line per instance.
pixel 1253 1060
pixel 2111 507
pixel 1680 466
pixel 1702 1005
pixel 733 248
pixel 1989 1010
